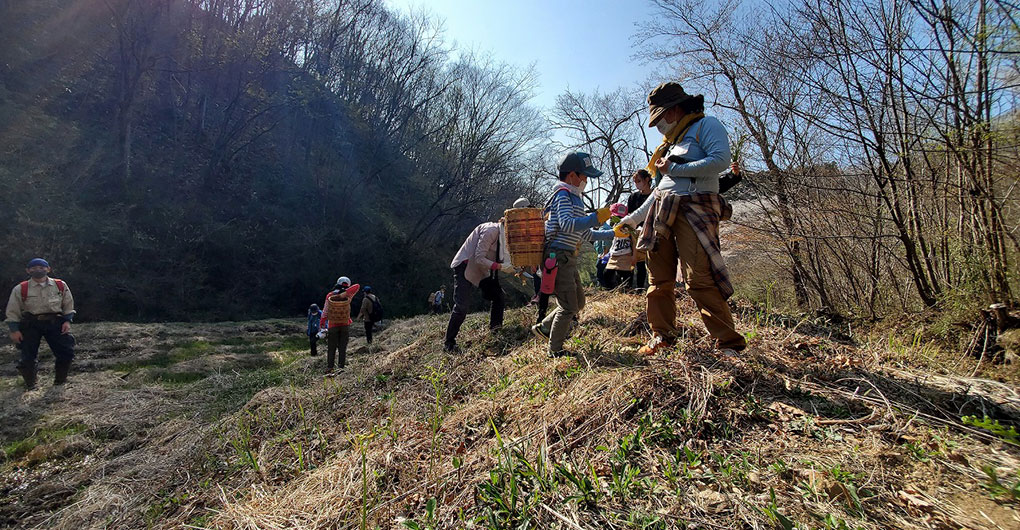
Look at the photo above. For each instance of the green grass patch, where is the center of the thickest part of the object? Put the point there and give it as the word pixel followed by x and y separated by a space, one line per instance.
pixel 20 448
pixel 232 341
pixel 235 389
pixel 292 343
pixel 167 377
pixel 179 353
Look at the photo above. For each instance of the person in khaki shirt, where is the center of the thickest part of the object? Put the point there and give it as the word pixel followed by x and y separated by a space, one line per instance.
pixel 37 308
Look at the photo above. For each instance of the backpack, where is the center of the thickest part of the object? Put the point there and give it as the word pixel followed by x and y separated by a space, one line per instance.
pixel 377 313
pixel 432 298
pixel 61 287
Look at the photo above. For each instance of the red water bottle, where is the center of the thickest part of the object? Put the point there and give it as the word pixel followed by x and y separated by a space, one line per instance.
pixel 549 274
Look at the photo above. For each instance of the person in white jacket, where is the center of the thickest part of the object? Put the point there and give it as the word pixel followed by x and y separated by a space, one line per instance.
pixel 479 258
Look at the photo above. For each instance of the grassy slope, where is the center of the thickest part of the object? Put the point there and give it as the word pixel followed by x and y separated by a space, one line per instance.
pixel 804 430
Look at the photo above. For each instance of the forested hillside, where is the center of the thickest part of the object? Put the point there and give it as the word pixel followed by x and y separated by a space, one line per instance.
pixel 226 159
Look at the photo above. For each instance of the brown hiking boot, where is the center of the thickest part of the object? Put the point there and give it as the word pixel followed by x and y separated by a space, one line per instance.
pixel 656 346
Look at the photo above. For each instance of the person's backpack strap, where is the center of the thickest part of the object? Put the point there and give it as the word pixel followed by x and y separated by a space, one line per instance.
pixel 61 287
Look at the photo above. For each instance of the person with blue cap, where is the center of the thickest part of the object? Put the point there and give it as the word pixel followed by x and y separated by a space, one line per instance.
pixel 41 307
pixel 314 314
pixel 567 225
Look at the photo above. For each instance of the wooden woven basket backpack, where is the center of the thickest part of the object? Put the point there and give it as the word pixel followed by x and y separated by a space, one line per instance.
pixel 338 309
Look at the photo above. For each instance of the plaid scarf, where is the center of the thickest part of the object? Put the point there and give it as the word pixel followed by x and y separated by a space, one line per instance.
pixel 676 133
pixel 703 211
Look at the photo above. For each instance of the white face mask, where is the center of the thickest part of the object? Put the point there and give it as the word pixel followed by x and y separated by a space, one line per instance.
pixel 583 184
pixel 664 127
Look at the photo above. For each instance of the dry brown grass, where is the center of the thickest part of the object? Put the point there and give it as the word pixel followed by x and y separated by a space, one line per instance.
pixel 809 418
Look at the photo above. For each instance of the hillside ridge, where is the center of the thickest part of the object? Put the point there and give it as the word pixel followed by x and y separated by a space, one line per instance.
pixel 233 426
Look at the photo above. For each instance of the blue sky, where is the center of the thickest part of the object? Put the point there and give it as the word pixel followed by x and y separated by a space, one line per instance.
pixel 581 45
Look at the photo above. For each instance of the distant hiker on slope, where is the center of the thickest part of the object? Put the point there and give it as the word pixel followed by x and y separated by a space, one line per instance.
pixel 41 307
pixel 681 220
pixel 371 312
pixel 477 264
pixel 314 314
pixel 437 303
pixel 338 316
pixel 566 226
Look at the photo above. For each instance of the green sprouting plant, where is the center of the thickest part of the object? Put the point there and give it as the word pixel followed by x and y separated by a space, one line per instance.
pixel 723 464
pixel 997 488
pixel 623 479
pixel 242 443
pixel 832 522
pixel 539 390
pixel 671 470
pixel 918 453
pixel 628 446
pixel 589 489
pixel 436 378
pixel 771 511
pixel 512 493
pixel 429 522
pixel 780 467
pixel 841 475
pixel 692 458
pixel 299 452
pixel 664 430
pixel 502 383
pixel 645 521
pixel 390 427
pixel 360 441
pixel 1008 435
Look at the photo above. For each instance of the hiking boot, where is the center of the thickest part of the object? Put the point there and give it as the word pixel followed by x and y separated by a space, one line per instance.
pixel 537 331
pixel 561 353
pixel 29 377
pixel 656 346
pixel 452 348
pixel 60 374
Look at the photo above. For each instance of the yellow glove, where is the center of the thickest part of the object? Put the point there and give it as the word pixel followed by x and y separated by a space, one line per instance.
pixel 603 214
pixel 622 230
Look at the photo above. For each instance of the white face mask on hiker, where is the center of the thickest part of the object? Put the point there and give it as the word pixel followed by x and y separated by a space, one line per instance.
pixel 664 127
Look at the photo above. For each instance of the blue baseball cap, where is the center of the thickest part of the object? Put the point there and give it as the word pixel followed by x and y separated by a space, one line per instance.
pixel 578 162
pixel 37 262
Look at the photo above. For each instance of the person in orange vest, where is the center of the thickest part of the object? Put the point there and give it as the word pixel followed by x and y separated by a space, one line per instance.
pixel 336 318
pixel 41 307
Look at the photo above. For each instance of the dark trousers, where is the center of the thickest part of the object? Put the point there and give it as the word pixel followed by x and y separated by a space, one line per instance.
pixel 462 290
pixel 640 275
pixel 313 340
pixel 614 278
pixel 369 327
pixel 600 273
pixel 543 306
pixel 32 333
pixel 336 346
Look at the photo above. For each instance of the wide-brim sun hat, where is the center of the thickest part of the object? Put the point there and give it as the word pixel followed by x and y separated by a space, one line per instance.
pixel 664 97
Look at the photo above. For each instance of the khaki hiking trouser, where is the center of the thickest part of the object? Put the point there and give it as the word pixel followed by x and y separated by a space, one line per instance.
pixel 662 269
pixel 569 298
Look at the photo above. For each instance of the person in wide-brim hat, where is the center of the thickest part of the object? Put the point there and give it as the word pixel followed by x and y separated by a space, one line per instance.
pixel 681 220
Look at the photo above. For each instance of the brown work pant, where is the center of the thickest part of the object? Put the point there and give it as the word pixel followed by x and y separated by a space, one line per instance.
pixel 662 269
